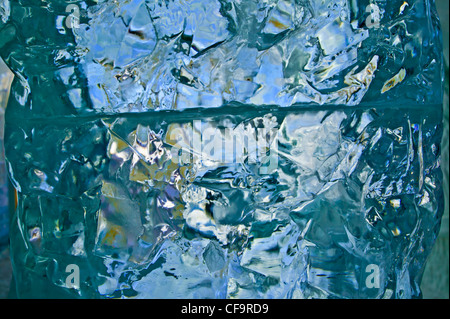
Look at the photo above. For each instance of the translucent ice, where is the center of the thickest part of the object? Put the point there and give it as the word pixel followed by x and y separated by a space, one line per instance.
pixel 223 149
pixel 5 79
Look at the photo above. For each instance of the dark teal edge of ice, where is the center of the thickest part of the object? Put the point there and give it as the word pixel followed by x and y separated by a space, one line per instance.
pixel 231 109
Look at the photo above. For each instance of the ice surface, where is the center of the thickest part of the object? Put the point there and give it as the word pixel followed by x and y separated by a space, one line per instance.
pixel 223 149
pixel 5 81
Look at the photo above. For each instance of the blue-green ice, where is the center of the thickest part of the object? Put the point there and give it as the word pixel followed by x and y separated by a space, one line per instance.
pixel 223 148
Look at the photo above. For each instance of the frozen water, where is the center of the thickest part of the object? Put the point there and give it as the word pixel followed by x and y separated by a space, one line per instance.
pixel 5 79
pixel 351 187
pixel 224 149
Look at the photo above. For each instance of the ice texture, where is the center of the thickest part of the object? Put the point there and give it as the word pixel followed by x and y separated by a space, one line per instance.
pixel 5 80
pixel 223 148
